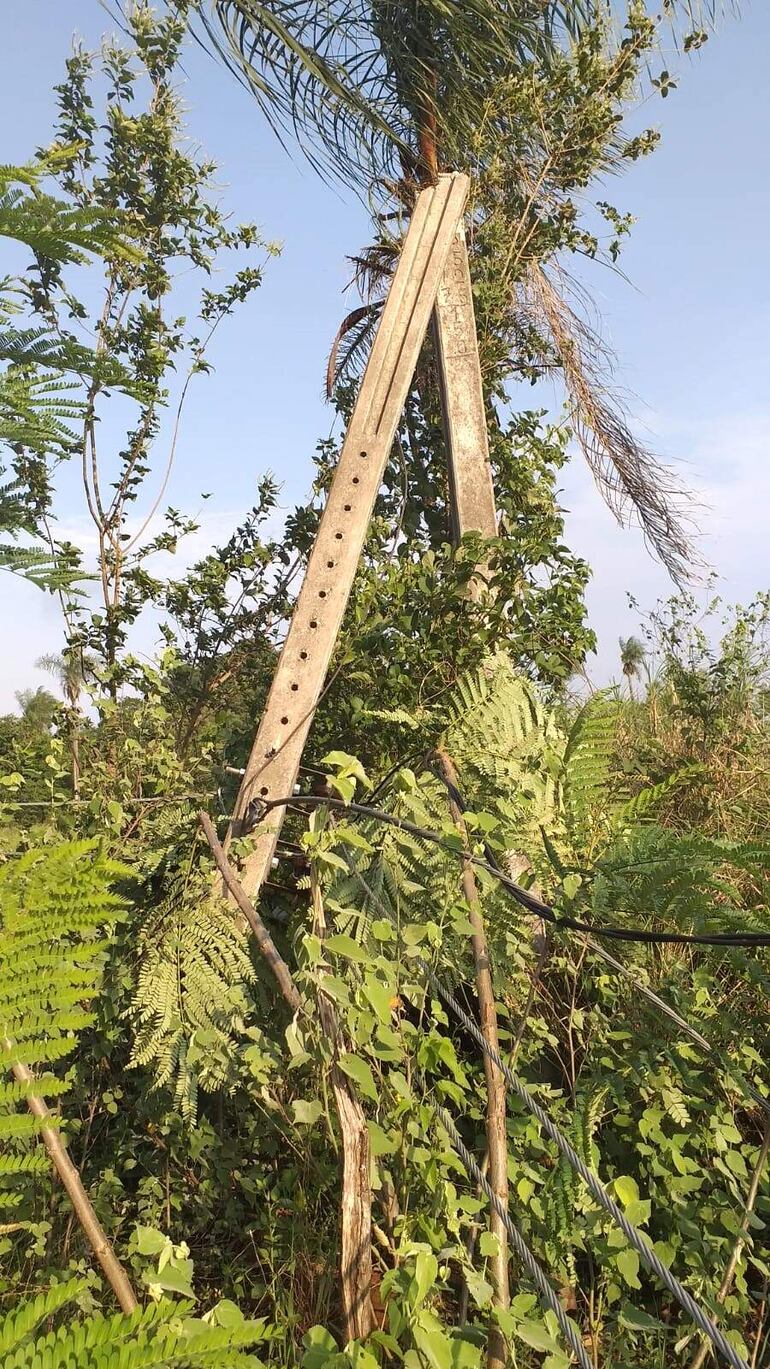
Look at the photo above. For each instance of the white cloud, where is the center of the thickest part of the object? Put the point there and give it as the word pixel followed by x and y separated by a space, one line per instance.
pixel 31 622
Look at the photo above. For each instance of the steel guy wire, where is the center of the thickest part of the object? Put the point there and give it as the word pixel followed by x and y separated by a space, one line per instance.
pixel 545 1290
pixel 591 1180
pixel 705 1046
pixel 596 1187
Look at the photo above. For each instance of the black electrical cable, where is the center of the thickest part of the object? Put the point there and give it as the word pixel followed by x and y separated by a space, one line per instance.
pixel 652 997
pixel 522 896
pixel 647 993
pixel 592 1181
pixel 695 1036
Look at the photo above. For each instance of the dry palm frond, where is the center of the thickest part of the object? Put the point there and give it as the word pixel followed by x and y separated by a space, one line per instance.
pixel 374 267
pixel 631 478
pixel 373 271
pixel 351 345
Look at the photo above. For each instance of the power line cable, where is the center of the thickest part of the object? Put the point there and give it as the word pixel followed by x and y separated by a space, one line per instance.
pixel 522 896
pixel 694 1035
pixel 592 1181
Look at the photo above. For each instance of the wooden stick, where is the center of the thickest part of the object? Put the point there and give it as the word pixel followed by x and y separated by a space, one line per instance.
pixel 92 1228
pixel 356 1201
pixel 497 1140
pixel 732 1264
pixel 267 946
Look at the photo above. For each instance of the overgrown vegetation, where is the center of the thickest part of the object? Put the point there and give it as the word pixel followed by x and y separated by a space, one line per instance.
pixel 148 1047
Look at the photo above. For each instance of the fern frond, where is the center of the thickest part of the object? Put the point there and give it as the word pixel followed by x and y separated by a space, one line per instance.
pixel 57 908
pixel 588 761
pixel 163 1334
pixel 50 227
pixel 192 994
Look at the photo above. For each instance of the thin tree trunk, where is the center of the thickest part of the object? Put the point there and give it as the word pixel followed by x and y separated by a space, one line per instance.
pixel 511 1063
pixel 356 1202
pixel 264 941
pixel 75 756
pixel 92 1228
pixel 497 1141
pixel 732 1264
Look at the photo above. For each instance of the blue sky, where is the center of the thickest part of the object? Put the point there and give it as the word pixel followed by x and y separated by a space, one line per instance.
pixel 691 330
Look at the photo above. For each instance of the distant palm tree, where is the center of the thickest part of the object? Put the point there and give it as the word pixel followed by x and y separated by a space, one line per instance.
pixel 70 669
pixel 632 659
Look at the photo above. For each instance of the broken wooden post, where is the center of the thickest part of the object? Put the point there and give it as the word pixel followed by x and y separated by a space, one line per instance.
pixel 497 1136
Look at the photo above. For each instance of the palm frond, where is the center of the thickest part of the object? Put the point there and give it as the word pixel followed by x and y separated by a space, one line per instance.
pixel 631 479
pixel 355 332
pixel 355 81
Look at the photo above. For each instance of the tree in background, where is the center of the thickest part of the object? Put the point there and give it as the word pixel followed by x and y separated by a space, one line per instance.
pixel 529 99
pixel 132 165
pixel 632 659
pixel 38 391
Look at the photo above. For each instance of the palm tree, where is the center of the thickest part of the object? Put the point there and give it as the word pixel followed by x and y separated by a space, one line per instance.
pixel 70 669
pixel 371 88
pixel 386 93
pixel 632 659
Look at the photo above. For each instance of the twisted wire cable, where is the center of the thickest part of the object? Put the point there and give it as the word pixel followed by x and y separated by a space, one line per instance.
pixel 260 808
pixel 547 1294
pixel 596 1188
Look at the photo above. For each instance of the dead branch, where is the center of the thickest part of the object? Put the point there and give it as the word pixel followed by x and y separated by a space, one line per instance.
pixel 267 946
pixel 92 1228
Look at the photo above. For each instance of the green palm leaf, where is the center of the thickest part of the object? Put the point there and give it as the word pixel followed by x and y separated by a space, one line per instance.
pixel 357 83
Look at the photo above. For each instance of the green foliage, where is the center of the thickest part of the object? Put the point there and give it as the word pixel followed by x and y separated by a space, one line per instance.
pixel 54 228
pixel 162 1334
pixel 194 993
pixel 37 406
pixel 363 85
pixel 201 1118
pixel 57 907
pixel 129 177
